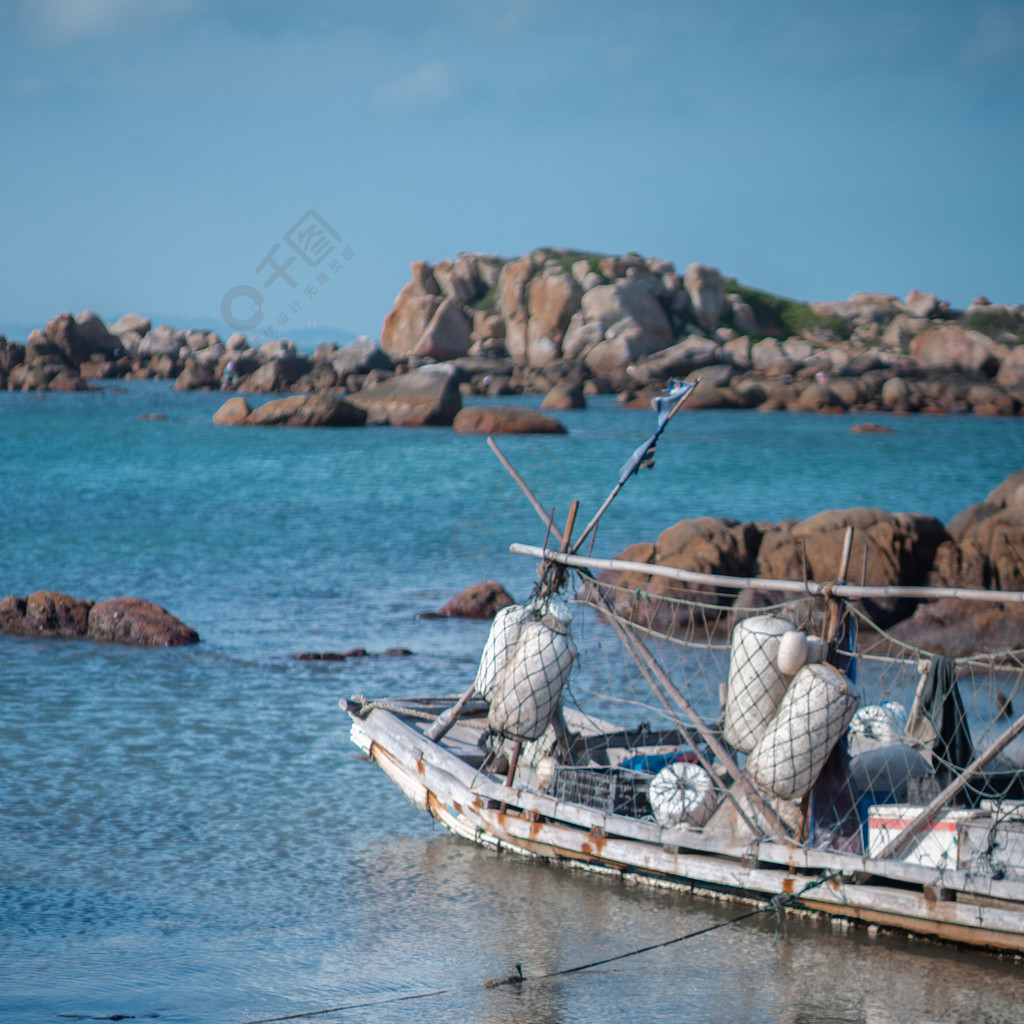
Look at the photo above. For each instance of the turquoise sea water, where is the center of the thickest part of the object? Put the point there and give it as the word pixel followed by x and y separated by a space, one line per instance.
pixel 187 835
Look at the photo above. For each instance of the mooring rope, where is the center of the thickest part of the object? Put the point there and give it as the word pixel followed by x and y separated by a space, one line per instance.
pixel 774 905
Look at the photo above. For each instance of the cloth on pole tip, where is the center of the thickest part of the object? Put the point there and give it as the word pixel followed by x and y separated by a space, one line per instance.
pixel 664 404
pixel 643 457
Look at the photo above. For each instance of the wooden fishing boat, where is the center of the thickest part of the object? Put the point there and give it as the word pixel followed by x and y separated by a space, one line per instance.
pixel 790 754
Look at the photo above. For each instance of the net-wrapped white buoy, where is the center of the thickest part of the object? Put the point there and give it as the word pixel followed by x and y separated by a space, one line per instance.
pixel 504 635
pixel 500 641
pixel 885 723
pixel 755 684
pixel 812 715
pixel 682 794
pixel 526 694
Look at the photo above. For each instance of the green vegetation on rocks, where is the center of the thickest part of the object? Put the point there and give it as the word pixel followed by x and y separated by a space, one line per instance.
pixel 786 316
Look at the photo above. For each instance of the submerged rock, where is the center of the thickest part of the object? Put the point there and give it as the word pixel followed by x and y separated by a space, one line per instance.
pixel 126 620
pixel 131 620
pixel 45 613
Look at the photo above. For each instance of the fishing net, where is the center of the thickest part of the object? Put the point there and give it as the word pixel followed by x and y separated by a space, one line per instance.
pixel 837 754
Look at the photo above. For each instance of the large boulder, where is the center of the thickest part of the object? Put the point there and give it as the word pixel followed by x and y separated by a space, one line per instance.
pixel 413 310
pixel 962 628
pixel 553 299
pixel 316 410
pixel 67 340
pixel 986 542
pixel 45 613
pixel 1011 369
pixel 131 620
pixel 952 345
pixel 278 373
pixel 692 353
pixel 497 419
pixel 133 323
pixel 512 298
pixel 888 550
pixel 233 411
pixel 447 336
pixel 163 340
pixel 94 331
pixel 617 324
pixel 428 396
pixel 360 357
pixel 706 289
pixel 706 545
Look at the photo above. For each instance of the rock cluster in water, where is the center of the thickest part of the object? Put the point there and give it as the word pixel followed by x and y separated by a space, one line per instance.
pixel 981 548
pixel 567 324
pixel 124 620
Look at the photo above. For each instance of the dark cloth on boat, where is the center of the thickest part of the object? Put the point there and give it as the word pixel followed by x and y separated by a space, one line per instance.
pixel 940 698
pixel 835 799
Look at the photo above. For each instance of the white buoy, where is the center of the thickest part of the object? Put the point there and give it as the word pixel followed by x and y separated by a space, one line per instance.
pixel 501 639
pixel 526 694
pixel 755 684
pixel 812 715
pixel 682 794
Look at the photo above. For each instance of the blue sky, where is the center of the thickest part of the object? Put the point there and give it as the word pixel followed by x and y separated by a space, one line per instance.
pixel 155 151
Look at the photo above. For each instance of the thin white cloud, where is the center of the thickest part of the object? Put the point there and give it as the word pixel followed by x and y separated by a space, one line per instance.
pixel 59 22
pixel 426 88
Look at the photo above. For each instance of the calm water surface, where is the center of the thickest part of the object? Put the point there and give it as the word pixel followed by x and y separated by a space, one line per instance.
pixel 187 835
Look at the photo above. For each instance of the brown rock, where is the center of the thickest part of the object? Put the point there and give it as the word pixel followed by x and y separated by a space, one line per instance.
pixel 494 419
pixel 447 336
pixel 949 344
pixel 412 312
pixel 315 410
pixel 888 550
pixel 73 345
pixel 512 297
pixel 1011 369
pixel 428 396
pixel 564 395
pixel 707 293
pixel 987 542
pixel 44 613
pixel 552 301
pixel 705 545
pixel 962 628
pixel 480 601
pixel 234 410
pixel 130 620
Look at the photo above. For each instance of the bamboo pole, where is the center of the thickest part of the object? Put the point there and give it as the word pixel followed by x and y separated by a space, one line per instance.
pixel 756 583
pixel 592 525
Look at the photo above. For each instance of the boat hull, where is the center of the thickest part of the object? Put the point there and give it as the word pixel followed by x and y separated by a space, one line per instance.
pixel 947 906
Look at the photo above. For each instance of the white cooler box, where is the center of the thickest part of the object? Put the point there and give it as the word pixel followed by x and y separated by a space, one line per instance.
pixel 938 844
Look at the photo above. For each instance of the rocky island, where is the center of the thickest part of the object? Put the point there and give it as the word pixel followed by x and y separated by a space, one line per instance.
pixel 570 324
